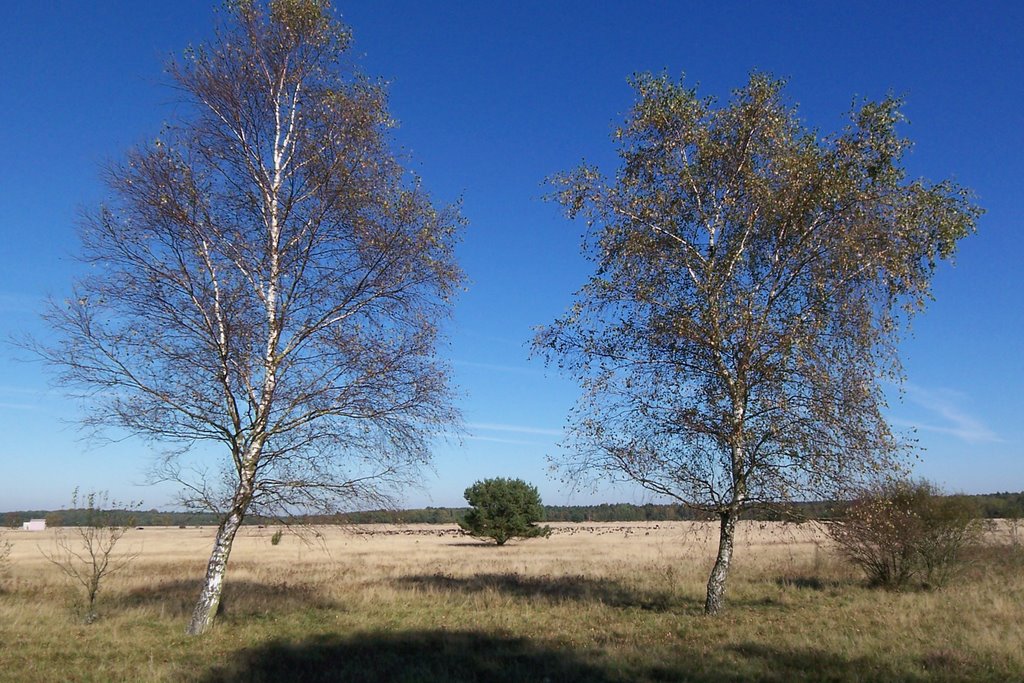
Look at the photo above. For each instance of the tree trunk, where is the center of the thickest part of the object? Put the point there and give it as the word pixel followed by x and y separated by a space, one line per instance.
pixel 209 599
pixel 720 572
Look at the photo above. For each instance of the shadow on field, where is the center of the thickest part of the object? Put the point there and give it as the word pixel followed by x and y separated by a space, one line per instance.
pixel 813 583
pixel 553 588
pixel 767 663
pixel 411 656
pixel 483 545
pixel 240 598
pixel 467 656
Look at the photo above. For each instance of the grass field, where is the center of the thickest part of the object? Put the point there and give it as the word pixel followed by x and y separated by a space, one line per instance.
pixel 595 602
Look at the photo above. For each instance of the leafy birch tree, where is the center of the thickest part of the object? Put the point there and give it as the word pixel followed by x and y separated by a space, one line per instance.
pixel 751 281
pixel 267 278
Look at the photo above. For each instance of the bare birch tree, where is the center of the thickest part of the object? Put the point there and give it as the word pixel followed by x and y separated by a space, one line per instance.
pixel 267 278
pixel 751 281
pixel 85 553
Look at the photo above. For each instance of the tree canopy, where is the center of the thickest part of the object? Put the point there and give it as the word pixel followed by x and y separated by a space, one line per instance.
pixel 751 281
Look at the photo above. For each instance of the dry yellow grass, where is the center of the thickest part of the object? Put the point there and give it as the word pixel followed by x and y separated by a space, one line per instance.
pixel 596 602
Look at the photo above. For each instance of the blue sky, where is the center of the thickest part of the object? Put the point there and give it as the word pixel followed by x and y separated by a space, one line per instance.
pixel 492 98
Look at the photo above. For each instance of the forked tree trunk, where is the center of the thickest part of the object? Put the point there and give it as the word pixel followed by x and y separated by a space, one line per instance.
pixel 209 599
pixel 720 572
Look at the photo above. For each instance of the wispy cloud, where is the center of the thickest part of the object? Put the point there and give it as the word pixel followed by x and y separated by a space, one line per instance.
pixel 504 341
pixel 496 439
pixel 455 438
pixel 25 391
pixel 17 406
pixel 516 369
pixel 493 432
pixel 518 429
pixel 946 415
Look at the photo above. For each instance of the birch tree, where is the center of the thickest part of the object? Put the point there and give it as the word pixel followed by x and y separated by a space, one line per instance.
pixel 268 279
pixel 751 282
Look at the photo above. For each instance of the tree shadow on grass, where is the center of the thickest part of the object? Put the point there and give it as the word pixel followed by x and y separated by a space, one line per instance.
pixel 814 583
pixel 405 657
pixel 552 588
pixel 807 664
pixel 469 656
pixel 480 544
pixel 240 598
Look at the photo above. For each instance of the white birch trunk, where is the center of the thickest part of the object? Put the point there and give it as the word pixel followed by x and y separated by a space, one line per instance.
pixel 720 572
pixel 727 530
pixel 209 599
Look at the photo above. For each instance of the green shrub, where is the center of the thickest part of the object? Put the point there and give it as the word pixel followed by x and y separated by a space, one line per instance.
pixel 903 532
pixel 502 509
pixel 276 538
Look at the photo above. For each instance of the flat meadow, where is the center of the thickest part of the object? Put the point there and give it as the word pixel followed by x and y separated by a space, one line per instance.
pixel 594 602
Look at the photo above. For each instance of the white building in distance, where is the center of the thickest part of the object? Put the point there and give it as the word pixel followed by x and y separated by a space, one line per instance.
pixel 34 525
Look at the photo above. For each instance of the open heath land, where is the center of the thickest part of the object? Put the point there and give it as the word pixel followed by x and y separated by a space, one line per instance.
pixel 594 602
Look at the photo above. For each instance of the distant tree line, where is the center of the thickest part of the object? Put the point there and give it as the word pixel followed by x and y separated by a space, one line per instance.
pixel 82 516
pixel 990 506
pixel 1002 505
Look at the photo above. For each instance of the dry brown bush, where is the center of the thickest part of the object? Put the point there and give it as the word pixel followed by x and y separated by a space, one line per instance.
pixel 903 532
